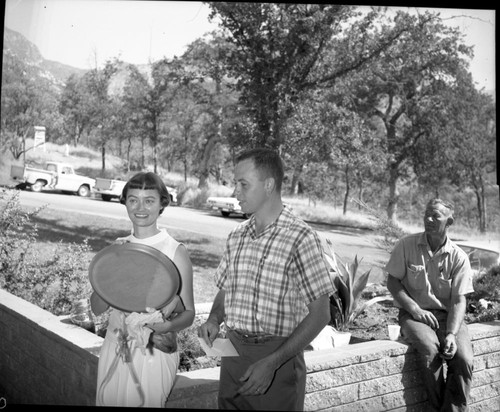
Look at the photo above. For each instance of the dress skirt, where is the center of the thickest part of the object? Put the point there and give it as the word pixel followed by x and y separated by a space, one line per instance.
pixel 145 381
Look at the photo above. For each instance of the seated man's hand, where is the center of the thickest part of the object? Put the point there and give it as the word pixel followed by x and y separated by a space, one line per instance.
pixel 424 316
pixel 449 347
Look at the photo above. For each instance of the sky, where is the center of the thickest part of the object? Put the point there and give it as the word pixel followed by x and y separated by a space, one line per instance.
pixel 86 33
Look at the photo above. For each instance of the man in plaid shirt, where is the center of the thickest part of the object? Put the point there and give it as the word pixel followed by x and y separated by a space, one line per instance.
pixel 273 294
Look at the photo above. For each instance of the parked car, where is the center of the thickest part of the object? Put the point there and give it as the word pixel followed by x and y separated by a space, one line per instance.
pixel 110 189
pixel 226 205
pixel 482 254
pixel 55 176
pixel 172 191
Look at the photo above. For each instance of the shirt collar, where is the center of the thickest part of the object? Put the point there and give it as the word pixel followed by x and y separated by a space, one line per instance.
pixel 446 248
pixel 283 221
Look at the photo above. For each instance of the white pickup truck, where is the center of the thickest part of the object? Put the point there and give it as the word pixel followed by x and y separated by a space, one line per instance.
pixel 55 176
pixel 112 189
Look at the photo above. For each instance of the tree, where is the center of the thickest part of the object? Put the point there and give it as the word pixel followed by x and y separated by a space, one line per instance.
pixel 401 91
pixel 211 91
pixel 149 101
pixel 324 132
pixel 276 47
pixel 461 149
pixel 284 50
pixel 101 107
pixel 27 100
pixel 75 107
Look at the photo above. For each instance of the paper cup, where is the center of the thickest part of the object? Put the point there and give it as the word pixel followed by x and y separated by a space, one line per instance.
pixel 394 331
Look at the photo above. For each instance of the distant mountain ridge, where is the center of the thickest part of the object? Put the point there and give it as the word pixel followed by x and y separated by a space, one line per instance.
pixel 16 44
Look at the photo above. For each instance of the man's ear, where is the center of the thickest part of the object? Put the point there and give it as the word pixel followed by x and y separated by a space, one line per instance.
pixel 450 221
pixel 269 184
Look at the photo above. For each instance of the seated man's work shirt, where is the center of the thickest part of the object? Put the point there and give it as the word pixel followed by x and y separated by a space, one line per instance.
pixel 270 279
pixel 431 279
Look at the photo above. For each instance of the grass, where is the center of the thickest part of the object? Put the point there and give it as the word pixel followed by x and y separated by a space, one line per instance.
pixel 61 226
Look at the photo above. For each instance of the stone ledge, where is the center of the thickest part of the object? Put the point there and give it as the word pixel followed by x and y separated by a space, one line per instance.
pixel 198 389
pixel 49 322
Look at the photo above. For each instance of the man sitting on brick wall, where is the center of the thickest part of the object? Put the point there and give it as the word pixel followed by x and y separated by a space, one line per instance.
pixel 429 277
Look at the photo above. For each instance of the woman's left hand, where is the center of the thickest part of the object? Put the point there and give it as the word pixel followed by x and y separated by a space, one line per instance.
pixel 160 327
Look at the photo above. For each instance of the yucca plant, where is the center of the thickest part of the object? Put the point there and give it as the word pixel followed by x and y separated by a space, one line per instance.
pixel 345 302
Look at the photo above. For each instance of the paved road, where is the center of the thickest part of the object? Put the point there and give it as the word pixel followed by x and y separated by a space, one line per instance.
pixel 348 242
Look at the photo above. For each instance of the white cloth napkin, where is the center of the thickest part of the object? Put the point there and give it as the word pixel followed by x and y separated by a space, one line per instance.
pixel 137 331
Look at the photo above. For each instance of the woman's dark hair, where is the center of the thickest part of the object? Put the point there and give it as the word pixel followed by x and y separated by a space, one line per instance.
pixel 147 181
pixel 267 161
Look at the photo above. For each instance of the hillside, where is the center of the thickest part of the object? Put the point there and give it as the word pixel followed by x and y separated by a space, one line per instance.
pixel 17 45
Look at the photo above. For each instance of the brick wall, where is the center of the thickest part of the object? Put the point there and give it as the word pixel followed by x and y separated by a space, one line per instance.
pixel 46 361
pixel 370 376
pixel 42 359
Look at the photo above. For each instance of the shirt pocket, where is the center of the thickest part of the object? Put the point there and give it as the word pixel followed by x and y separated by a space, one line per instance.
pixel 271 277
pixel 443 287
pixel 416 276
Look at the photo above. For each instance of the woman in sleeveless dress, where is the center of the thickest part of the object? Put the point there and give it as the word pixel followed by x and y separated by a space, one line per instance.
pixel 146 379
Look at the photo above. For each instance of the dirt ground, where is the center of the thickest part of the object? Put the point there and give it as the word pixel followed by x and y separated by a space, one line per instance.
pixel 372 323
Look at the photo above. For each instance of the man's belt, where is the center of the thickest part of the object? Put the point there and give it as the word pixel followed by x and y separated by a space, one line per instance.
pixel 254 337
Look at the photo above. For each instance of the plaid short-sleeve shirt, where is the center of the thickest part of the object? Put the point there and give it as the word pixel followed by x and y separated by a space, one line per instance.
pixel 270 279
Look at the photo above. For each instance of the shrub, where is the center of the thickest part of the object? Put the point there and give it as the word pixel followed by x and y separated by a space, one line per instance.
pixel 345 303
pixel 52 283
pixel 483 305
pixel 17 237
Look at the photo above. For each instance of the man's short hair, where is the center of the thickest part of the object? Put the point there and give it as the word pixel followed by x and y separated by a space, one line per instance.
pixel 266 161
pixel 437 201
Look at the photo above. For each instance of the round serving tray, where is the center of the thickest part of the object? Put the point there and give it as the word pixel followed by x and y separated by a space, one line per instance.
pixel 132 276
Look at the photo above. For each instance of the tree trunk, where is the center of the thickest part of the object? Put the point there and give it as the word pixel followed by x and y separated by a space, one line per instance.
pixel 392 205
pixel 360 193
pixel 347 188
pixel 155 157
pixel 103 154
pixel 129 146
pixel 481 205
pixel 297 172
pixel 205 160
pixel 142 153
pixel 154 142
pixel 77 134
pixel 212 140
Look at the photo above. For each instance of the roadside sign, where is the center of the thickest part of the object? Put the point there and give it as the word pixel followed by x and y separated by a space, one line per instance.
pixel 39 140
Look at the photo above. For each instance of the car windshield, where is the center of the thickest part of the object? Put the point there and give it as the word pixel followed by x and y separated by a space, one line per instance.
pixel 481 258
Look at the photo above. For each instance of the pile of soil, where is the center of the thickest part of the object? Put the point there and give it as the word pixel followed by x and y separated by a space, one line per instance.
pixel 372 323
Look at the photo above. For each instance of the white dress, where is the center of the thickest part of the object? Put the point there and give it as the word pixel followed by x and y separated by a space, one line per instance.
pixel 154 370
